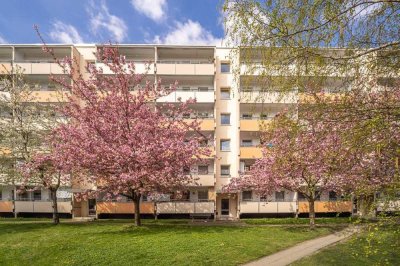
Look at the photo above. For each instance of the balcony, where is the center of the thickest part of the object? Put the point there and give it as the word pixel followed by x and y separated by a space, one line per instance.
pixel 49 96
pixel 108 207
pixel 253 124
pixel 185 207
pixel 326 206
pixel 5 67
pixel 39 67
pixel 185 67
pixel 6 206
pixel 200 96
pixel 42 206
pixel 250 152
pixel 258 96
pixel 141 67
pixel 267 207
pixel 204 180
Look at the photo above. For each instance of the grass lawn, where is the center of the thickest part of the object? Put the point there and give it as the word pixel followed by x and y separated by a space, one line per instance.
pixel 380 247
pixel 165 242
pixel 303 221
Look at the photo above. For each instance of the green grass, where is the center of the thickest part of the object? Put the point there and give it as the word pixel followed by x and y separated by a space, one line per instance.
pixel 163 242
pixel 373 247
pixel 297 221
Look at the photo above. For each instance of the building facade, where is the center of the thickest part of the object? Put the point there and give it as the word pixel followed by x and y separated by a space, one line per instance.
pixel 231 112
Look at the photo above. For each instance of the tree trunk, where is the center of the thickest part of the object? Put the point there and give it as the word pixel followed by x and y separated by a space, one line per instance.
pixel 366 206
pixel 312 213
pixel 136 200
pixel 56 218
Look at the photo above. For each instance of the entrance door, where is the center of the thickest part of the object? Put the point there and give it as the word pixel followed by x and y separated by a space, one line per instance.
pixel 92 207
pixel 224 206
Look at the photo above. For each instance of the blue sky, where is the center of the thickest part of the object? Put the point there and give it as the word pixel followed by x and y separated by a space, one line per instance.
pixel 122 21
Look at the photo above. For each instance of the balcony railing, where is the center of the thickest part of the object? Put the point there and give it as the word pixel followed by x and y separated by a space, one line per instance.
pixel 185 61
pixel 268 207
pixel 185 207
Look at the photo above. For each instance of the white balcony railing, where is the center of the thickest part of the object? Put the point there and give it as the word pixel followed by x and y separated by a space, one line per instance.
pixel 185 207
pixel 200 96
pixel 268 207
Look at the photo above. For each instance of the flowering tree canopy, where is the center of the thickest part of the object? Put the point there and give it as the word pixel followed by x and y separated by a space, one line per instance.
pixel 300 156
pixel 47 170
pixel 127 143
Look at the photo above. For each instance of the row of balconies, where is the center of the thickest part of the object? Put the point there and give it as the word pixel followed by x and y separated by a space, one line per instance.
pixel 293 207
pixel 179 207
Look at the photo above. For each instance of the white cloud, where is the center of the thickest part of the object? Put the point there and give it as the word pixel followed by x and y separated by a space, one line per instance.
pixel 2 40
pixel 65 33
pixel 101 19
pixel 189 32
pixel 366 9
pixel 154 9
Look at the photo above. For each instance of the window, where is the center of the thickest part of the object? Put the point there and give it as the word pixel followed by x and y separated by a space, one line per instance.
pixel 225 170
pixel 247 195
pixel 203 143
pixel 247 89
pixel 247 116
pixel 225 68
pixel 332 196
pixel 225 119
pixel 247 143
pixel 185 88
pixel 225 93
pixel 225 145
pixel 202 170
pixel 1 195
pixel 186 116
pixel 202 195
pixel 280 196
pixel 203 88
pixel 301 197
pixel 37 195
pixel 263 116
pixel 186 170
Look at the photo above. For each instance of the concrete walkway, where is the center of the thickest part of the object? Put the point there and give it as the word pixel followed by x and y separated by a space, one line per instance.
pixel 290 255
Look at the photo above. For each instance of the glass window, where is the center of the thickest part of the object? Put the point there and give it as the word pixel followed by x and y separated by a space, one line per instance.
pixel 225 68
pixel 225 94
pixel 247 143
pixel 280 196
pixel 301 197
pixel 247 116
pixel 1 195
pixel 37 195
pixel 225 170
pixel 202 195
pixel 202 169
pixel 332 196
pixel 247 195
pixel 203 88
pixel 185 88
pixel 225 119
pixel 225 145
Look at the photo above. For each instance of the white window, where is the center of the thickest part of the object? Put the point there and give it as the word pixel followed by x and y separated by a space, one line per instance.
pixel 225 68
pixel 225 145
pixel 247 143
pixel 225 170
pixel 247 195
pixel 247 116
pixel 280 196
pixel 37 195
pixel 225 119
pixel 202 170
pixel 225 93
pixel 202 195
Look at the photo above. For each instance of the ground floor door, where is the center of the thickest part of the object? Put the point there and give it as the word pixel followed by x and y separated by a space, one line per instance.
pixel 92 207
pixel 224 206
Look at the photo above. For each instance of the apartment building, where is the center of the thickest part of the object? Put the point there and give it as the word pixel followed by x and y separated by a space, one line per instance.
pixel 231 108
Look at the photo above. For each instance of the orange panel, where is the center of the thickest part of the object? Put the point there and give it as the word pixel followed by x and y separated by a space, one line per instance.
pixel 6 206
pixel 250 152
pixel 147 207
pixel 124 207
pixel 326 206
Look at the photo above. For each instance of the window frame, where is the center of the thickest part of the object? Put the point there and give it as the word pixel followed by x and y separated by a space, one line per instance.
pixel 228 166
pixel 225 93
pixel 247 198
pixel 225 115
pixel 223 70
pixel 225 140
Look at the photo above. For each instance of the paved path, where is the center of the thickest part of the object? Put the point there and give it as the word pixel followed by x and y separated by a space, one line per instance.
pixel 290 255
